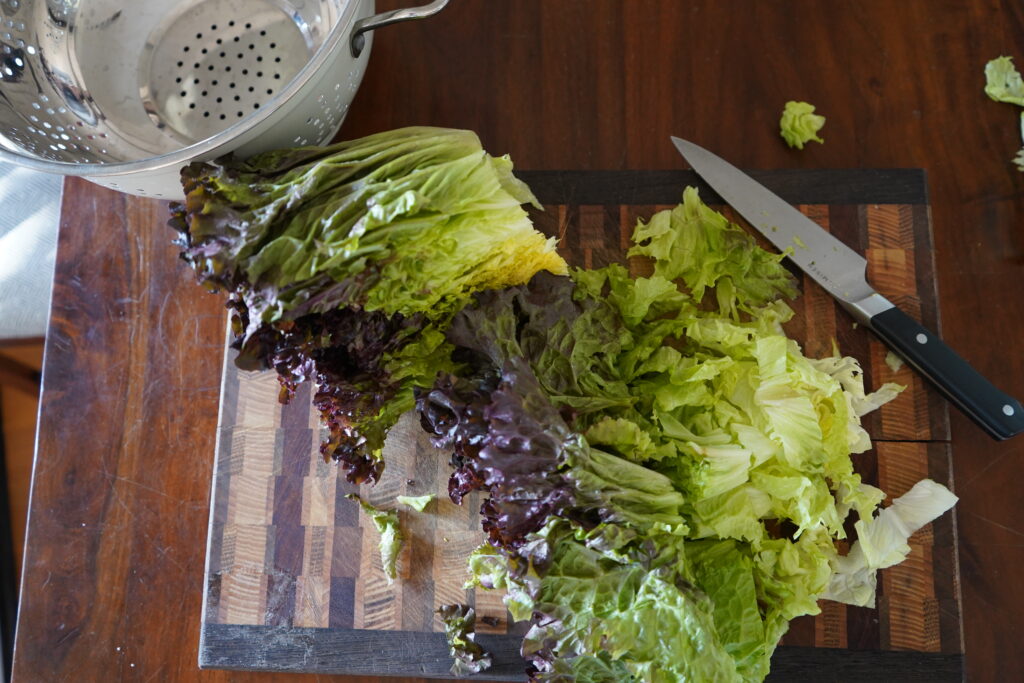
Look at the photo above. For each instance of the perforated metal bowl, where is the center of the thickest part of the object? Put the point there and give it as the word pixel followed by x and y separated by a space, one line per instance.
pixel 126 93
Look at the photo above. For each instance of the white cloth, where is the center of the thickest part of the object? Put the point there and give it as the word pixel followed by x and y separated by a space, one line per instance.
pixel 29 218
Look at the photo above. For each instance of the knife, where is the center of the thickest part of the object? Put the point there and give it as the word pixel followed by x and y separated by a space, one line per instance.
pixel 842 272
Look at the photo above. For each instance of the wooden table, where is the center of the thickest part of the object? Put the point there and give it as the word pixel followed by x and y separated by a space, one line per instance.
pixel 116 540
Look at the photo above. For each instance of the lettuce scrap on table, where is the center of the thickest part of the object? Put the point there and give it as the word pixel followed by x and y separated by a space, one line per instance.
pixel 800 125
pixel 1003 83
pixel 666 477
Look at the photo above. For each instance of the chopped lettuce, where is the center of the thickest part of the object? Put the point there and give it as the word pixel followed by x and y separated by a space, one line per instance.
pixel 386 523
pixel 417 503
pixel 1003 82
pixel 882 541
pixel 799 124
pixel 655 451
pixel 694 243
pixel 468 657
pixel 488 569
pixel 893 361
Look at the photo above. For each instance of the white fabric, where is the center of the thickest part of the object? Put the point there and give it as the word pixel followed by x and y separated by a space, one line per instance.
pixel 29 218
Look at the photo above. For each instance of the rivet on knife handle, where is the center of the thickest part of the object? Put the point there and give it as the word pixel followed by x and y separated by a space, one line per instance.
pixel 995 412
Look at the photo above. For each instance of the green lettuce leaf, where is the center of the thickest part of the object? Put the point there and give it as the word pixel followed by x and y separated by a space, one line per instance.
pixel 656 628
pixel 698 245
pixel 882 541
pixel 345 264
pixel 653 455
pixel 418 503
pixel 407 221
pixel 800 125
pixel 1003 82
pixel 386 523
pixel 468 657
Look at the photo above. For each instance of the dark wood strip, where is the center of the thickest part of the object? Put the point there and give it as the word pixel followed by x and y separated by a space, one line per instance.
pixel 297 435
pixel 342 608
pixel 801 632
pixel 352 652
pixel 845 666
pixel 393 653
pixel 797 186
pixel 220 496
pixel 945 565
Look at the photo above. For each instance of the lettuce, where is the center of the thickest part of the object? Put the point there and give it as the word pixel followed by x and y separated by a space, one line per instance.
pixel 468 657
pixel 882 541
pixel 417 503
pixel 1003 82
pixel 344 265
pixel 386 523
pixel 666 473
pixel 408 221
pixel 799 124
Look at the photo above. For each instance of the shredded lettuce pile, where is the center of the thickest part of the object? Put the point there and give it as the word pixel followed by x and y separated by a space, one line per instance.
pixel 667 474
pixel 800 125
pixel 344 264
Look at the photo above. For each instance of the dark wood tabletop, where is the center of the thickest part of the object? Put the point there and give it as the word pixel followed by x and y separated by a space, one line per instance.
pixel 117 533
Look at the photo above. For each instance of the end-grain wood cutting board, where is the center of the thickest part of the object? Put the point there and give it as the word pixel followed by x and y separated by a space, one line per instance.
pixel 293 573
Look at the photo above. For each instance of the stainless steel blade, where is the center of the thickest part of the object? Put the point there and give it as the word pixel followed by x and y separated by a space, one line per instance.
pixel 829 262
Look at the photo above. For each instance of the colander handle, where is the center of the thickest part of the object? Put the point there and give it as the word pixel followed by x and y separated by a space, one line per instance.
pixel 358 41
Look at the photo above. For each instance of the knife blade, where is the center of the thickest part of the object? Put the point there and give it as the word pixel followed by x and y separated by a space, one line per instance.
pixel 841 271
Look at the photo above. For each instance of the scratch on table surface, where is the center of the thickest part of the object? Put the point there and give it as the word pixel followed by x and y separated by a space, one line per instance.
pixel 144 486
pixel 986 468
pixel 1013 531
pixel 153 675
pixel 70 634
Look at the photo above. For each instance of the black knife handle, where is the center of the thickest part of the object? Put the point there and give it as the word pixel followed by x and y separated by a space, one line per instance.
pixel 992 410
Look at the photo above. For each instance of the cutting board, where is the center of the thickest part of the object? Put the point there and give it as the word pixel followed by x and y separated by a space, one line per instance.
pixel 293 576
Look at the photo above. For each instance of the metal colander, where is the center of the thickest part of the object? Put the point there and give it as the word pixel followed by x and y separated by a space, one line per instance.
pixel 126 93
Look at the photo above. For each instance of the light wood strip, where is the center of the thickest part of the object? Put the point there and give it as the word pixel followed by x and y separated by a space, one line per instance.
pixel 891 270
pixel 591 227
pixel 243 580
pixel 830 625
pixel 257 400
pixel 907 415
pixel 913 610
pixel 901 464
pixel 489 604
pixel 887 228
pixel 318 499
pixel 313 588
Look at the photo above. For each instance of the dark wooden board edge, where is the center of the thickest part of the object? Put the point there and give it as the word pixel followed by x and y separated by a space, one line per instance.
pixel 396 653
pixel 854 666
pixel 797 186
pixel 348 652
